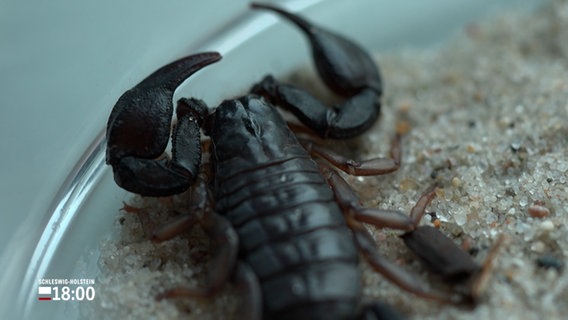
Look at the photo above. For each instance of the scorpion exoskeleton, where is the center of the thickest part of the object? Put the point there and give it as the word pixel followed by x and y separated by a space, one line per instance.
pixel 286 229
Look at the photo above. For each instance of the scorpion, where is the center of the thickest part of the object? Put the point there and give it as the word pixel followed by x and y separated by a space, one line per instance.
pixel 287 230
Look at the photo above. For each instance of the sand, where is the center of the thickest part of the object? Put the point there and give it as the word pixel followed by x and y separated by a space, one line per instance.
pixel 487 114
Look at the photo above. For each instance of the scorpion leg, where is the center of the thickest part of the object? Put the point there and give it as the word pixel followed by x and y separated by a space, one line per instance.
pixel 345 68
pixel 164 232
pixel 351 205
pixel 174 228
pixel 225 244
pixel 479 282
pixel 393 272
pixel 356 214
pixel 139 127
pixel 251 295
pixel 200 205
pixel 224 241
pixel 447 259
pixel 369 167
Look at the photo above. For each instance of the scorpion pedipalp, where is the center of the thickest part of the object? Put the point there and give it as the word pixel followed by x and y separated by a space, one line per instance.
pixel 138 131
pixel 346 68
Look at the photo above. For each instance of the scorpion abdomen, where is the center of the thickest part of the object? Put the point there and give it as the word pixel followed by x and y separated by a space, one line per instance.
pixel 291 231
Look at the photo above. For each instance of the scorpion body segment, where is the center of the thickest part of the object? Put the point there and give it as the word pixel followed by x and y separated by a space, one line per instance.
pixel 292 233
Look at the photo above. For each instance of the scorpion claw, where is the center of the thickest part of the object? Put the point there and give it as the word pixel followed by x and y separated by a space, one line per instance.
pixel 343 65
pixel 138 131
pixel 173 74
pixel 346 68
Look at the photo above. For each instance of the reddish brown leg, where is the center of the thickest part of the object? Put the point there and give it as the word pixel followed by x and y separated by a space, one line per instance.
pixel 174 228
pixel 165 231
pixel 225 268
pixel 249 292
pixel 142 215
pixel 370 167
pixel 356 214
pixel 419 209
pixel 482 278
pixel 393 272
pixel 301 129
pixel 200 205
pixel 224 242
pixel 351 205
pixel 451 262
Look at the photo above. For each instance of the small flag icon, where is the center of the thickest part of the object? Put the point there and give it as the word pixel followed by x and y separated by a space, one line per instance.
pixel 44 293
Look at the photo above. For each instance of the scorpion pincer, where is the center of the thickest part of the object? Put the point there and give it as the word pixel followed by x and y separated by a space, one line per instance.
pixel 286 229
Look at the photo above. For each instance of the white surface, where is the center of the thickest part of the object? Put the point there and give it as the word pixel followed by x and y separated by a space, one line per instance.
pixel 65 63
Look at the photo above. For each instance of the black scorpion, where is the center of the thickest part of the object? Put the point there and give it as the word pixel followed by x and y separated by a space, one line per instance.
pixel 286 229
